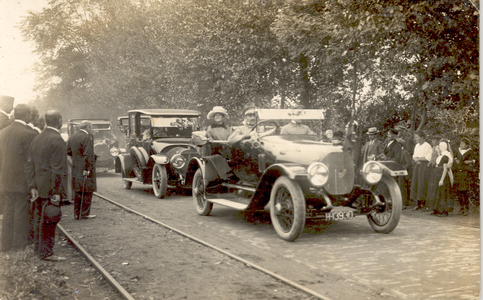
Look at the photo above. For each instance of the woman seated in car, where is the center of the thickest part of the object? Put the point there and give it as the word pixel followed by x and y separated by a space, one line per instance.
pixel 219 130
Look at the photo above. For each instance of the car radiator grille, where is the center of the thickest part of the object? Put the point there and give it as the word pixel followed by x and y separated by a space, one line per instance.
pixel 341 173
pixel 102 151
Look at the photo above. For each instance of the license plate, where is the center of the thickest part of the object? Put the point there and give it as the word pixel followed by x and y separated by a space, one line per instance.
pixel 339 215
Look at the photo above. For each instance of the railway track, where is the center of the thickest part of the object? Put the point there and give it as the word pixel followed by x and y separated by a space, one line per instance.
pixel 122 291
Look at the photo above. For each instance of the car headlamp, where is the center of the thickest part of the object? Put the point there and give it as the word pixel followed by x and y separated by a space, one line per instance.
pixel 372 172
pixel 178 161
pixel 114 151
pixel 318 174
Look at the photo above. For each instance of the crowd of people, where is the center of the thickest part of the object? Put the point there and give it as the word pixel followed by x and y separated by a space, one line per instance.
pixel 33 176
pixel 437 176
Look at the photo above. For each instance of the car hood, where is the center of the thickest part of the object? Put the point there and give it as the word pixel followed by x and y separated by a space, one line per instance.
pixel 163 145
pixel 301 149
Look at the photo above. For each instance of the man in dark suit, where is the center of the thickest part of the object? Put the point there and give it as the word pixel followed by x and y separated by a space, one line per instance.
pixel 392 151
pixel 14 143
pixel 372 149
pixel 46 174
pixel 6 107
pixel 81 147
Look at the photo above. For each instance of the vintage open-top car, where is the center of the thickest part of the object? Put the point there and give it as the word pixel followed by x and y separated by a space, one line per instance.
pixel 106 145
pixel 297 176
pixel 158 148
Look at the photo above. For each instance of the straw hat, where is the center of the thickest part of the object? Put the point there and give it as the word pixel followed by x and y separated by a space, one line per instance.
pixel 218 110
pixel 372 130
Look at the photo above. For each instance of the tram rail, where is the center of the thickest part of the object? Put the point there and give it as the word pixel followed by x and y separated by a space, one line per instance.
pixel 206 244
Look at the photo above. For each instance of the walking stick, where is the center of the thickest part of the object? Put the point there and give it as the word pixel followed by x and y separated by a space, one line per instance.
pixel 82 197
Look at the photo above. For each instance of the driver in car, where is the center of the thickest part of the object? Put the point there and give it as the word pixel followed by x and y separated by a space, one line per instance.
pixel 243 131
pixel 295 127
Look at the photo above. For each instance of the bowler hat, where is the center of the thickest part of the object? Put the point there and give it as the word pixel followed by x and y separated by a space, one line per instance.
pixel 218 110
pixel 249 108
pixel 372 130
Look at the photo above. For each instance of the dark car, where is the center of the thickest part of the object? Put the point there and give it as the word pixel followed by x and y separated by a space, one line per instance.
pixel 106 145
pixel 158 148
pixel 297 176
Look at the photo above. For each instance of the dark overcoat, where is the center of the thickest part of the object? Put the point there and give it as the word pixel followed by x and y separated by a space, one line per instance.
pixel 14 144
pixel 4 120
pixel 80 146
pixel 375 148
pixel 46 167
pixel 463 173
pixel 393 151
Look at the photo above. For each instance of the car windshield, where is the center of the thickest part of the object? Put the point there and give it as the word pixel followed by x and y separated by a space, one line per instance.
pixel 100 135
pixel 291 121
pixel 173 126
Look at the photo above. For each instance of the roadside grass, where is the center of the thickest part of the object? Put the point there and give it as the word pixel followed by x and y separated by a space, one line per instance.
pixel 24 276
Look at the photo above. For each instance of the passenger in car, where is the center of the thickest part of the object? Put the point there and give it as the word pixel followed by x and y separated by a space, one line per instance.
pixel 243 132
pixel 295 127
pixel 219 130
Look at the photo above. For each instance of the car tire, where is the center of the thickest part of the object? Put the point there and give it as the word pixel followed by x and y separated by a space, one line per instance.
pixel 160 181
pixel 138 163
pixel 203 207
pixel 287 208
pixel 126 184
pixel 385 219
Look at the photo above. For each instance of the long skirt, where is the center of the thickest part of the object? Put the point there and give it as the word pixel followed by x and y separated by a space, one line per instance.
pixel 419 184
pixel 442 199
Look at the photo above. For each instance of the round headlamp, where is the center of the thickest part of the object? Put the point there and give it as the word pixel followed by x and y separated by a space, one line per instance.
pixel 318 174
pixel 178 161
pixel 372 172
pixel 114 151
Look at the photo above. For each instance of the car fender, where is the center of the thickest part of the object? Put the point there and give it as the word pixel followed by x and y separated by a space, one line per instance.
pixel 159 159
pixel 291 170
pixel 209 166
pixel 194 164
pixel 126 165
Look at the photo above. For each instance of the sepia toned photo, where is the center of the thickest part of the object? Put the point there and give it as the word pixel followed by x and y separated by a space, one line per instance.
pixel 240 149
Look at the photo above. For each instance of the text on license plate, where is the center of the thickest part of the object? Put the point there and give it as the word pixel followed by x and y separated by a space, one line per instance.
pixel 339 215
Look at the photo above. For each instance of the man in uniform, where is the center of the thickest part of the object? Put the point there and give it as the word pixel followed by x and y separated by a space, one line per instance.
pixel 295 127
pixel 243 132
pixel 46 172
pixel 81 147
pixel 14 144
pixel 372 149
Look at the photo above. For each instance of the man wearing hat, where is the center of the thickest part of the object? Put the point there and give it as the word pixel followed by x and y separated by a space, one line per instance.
pixel 14 143
pixel 6 107
pixel 392 151
pixel 46 175
pixel 243 132
pixel 295 127
pixel 404 138
pixel 374 148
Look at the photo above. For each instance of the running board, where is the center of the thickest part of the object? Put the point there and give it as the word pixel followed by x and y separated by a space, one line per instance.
pixel 135 180
pixel 239 187
pixel 229 203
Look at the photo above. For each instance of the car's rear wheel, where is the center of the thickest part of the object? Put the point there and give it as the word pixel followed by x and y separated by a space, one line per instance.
pixel 287 208
pixel 126 184
pixel 203 207
pixel 384 219
pixel 160 181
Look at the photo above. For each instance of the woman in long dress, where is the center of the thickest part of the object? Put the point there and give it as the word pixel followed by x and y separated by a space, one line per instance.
pixel 421 157
pixel 442 201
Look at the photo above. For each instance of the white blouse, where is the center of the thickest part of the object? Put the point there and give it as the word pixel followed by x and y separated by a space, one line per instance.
pixel 423 150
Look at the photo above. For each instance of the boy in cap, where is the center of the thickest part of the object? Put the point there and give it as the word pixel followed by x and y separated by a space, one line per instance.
pixel 243 131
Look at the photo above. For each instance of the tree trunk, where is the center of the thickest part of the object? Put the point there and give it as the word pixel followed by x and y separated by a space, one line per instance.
pixel 305 83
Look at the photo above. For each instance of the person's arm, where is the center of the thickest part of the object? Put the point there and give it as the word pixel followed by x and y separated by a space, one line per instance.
pixel 30 174
pixel 237 136
pixel 445 171
pixel 57 165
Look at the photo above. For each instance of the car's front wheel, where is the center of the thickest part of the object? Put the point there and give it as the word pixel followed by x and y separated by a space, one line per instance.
pixel 287 208
pixel 384 219
pixel 203 207
pixel 160 181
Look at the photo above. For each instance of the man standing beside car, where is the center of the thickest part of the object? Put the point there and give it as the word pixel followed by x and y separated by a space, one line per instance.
pixel 15 140
pixel 46 172
pixel 81 147
pixel 372 149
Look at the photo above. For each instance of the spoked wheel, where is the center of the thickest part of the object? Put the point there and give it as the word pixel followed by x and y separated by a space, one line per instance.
pixel 126 184
pixel 203 207
pixel 287 208
pixel 160 181
pixel 384 219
